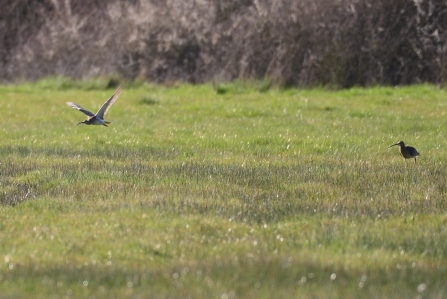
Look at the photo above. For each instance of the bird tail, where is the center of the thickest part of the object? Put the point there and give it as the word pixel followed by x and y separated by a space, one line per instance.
pixel 107 122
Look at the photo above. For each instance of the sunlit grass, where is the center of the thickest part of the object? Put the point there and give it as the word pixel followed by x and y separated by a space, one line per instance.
pixel 229 191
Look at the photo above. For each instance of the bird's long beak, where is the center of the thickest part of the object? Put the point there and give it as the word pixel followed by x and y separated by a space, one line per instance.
pixel 393 145
pixel 80 123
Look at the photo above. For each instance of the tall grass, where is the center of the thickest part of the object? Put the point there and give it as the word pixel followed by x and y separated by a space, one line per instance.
pixel 228 191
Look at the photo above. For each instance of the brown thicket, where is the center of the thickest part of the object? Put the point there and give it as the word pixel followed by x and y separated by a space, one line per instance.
pixel 292 42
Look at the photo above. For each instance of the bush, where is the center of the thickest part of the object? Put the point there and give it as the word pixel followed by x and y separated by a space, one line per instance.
pixel 301 43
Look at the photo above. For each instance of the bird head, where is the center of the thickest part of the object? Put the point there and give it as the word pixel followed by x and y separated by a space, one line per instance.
pixel 82 122
pixel 400 143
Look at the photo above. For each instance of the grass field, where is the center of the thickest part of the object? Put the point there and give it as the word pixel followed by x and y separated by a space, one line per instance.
pixel 227 191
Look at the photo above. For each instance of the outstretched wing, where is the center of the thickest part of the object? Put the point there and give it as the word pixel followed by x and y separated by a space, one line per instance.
pixel 101 112
pixel 77 107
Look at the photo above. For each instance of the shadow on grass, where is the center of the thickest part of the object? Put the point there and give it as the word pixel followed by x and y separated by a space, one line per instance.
pixel 108 152
pixel 275 277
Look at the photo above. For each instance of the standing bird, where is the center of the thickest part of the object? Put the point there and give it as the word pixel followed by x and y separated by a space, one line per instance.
pixel 97 119
pixel 407 152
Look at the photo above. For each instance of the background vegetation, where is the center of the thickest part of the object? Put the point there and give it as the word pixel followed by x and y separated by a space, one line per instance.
pixel 302 43
pixel 248 189
pixel 225 191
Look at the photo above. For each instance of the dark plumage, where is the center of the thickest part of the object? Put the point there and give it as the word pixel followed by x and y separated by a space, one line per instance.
pixel 407 152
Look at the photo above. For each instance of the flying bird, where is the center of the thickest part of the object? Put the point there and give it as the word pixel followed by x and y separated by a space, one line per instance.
pixel 407 152
pixel 98 118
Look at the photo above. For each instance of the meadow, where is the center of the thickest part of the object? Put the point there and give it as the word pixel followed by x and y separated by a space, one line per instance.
pixel 222 191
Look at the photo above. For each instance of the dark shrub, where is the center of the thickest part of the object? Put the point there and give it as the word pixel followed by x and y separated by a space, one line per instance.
pixel 338 43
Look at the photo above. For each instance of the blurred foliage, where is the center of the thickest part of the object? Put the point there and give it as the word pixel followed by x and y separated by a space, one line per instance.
pixel 293 43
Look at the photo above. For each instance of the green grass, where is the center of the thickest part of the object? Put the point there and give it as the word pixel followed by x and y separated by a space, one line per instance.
pixel 224 191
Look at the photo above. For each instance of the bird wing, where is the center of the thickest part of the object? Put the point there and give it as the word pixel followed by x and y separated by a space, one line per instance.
pixel 412 151
pixel 103 110
pixel 77 107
